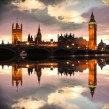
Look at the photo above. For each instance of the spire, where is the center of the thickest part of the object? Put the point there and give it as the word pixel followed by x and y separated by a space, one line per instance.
pixel 92 19
pixel 39 80
pixel 17 23
pixel 21 25
pixel 17 19
pixel 39 77
pixel 92 90
pixel 39 28
pixel 39 36
pixel 12 25
pixel 101 41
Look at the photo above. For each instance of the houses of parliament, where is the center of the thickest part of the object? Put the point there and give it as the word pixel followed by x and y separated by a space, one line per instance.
pixel 66 40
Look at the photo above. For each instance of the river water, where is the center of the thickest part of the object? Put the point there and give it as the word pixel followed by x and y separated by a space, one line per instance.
pixel 50 84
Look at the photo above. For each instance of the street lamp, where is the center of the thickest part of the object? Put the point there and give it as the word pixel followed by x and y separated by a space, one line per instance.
pixel 73 44
pixel 27 43
pixel 67 46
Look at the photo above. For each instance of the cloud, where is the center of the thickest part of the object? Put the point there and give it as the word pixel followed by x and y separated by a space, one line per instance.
pixel 50 15
pixel 70 83
pixel 72 98
pixel 51 2
pixel 4 101
pixel 43 17
pixel 52 101
pixel 66 15
pixel 4 2
pixel 51 106
pixel 106 2
pixel 29 5
pixel 18 1
pixel 106 106
pixel 28 103
pixel 64 95
pixel 45 95
pixel 3 5
pixel 70 26
pixel 62 98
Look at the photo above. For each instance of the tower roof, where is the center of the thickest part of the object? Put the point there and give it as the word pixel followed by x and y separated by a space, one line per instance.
pixel 92 90
pixel 39 28
pixel 39 32
pixel 39 80
pixel 17 25
pixel 92 19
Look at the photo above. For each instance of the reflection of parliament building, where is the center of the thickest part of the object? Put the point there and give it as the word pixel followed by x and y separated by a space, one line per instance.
pixel 67 40
pixel 16 75
pixel 64 68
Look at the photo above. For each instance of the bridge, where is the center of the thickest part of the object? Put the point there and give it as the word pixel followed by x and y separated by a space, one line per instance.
pixel 17 49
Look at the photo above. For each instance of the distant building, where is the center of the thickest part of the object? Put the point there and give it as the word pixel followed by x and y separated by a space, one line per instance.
pixel 37 41
pixel 92 33
pixel 16 33
pixel 38 38
pixel 101 46
pixel 70 41
pixel 101 63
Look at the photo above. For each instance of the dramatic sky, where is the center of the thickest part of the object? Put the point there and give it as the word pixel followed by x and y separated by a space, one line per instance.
pixel 55 17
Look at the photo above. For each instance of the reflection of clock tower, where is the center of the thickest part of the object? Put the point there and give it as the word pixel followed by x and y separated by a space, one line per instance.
pixel 92 33
pixel 92 76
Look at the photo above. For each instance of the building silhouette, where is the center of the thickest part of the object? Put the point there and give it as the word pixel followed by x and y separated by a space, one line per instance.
pixel 38 68
pixel 16 33
pixel 101 63
pixel 92 76
pixel 102 46
pixel 92 33
pixel 70 67
pixel 70 41
pixel 38 38
pixel 16 75
pixel 65 41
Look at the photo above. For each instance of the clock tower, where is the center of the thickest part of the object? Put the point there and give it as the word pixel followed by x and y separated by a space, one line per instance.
pixel 92 32
pixel 16 33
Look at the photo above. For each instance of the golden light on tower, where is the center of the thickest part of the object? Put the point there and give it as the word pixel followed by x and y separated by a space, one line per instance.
pixel 92 76
pixel 16 75
pixel 16 33
pixel 92 33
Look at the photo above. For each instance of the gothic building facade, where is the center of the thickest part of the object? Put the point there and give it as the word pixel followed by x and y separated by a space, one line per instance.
pixel 66 41
pixel 37 40
pixel 16 33
pixel 70 40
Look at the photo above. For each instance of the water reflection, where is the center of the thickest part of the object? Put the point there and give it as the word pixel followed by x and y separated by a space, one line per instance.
pixel 66 69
